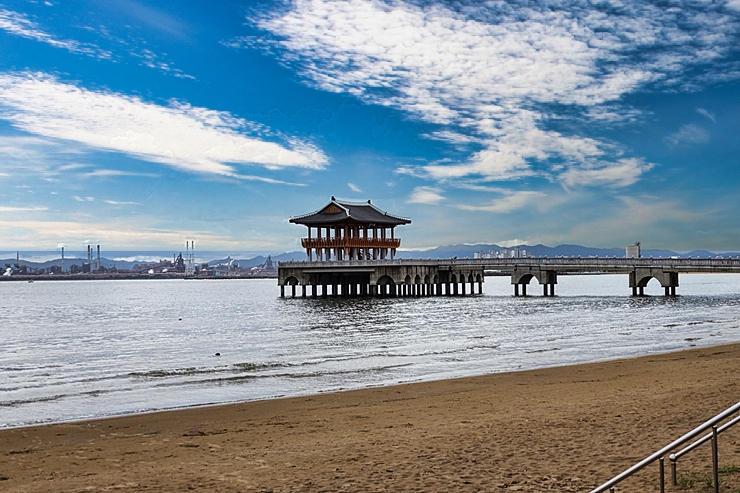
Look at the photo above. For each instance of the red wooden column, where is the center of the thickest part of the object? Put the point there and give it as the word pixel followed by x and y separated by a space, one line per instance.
pixel 308 246
pixel 393 250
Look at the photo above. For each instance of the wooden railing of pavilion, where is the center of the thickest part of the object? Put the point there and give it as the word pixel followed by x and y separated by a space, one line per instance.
pixel 350 242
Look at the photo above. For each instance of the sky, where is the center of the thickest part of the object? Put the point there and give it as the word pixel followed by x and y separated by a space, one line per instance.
pixel 141 125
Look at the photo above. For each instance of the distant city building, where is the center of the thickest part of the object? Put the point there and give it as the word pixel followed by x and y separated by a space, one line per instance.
pixel 633 251
pixel 515 252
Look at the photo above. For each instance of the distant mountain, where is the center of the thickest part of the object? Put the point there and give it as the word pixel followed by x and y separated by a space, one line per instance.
pixel 446 251
pixel 462 251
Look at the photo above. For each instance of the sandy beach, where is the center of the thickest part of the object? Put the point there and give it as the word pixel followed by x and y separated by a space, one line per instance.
pixel 561 429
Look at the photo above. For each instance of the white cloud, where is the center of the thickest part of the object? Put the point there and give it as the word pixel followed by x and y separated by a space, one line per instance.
pixel 22 209
pixel 83 199
pixel 623 173
pixel 19 25
pixel 733 4
pixel 115 202
pixel 491 72
pixel 117 172
pixel 124 234
pixel 354 188
pixel 688 134
pixel 187 138
pixel 426 195
pixel 642 217
pixel 511 202
pixel 706 113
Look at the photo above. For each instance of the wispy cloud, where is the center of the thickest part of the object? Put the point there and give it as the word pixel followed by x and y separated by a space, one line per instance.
pixel 19 25
pixel 623 173
pixel 688 134
pixel 706 113
pixel 184 137
pixel 117 172
pixel 510 202
pixel 122 233
pixel 493 72
pixel 642 217
pixel 426 195
pixel 22 209
pixel 83 199
pixel 354 188
pixel 115 202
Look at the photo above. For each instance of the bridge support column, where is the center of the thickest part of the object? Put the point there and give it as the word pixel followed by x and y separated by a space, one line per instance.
pixel 292 289
pixel 516 289
pixel 303 291
pixel 640 277
pixel 282 291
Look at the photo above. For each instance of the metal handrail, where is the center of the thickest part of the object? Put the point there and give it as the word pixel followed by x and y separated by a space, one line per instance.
pixel 659 455
pixel 674 457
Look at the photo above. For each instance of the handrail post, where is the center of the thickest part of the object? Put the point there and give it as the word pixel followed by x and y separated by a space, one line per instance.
pixel 674 479
pixel 662 474
pixel 715 459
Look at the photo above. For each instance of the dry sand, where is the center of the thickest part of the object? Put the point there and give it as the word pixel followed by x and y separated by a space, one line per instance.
pixel 561 429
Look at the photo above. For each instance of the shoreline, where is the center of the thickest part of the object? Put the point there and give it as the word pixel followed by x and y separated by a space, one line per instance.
pixel 567 428
pixel 419 381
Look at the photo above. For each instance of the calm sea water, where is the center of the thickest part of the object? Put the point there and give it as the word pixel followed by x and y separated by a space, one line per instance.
pixel 82 349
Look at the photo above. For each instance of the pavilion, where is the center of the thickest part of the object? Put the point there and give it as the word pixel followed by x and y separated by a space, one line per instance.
pixel 350 231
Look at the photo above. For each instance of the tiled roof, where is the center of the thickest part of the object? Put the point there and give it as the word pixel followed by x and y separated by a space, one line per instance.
pixel 339 211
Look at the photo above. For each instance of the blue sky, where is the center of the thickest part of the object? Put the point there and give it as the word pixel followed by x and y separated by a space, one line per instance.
pixel 139 125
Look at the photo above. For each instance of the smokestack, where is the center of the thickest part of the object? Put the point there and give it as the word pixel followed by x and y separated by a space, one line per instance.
pixel 62 259
pixel 98 257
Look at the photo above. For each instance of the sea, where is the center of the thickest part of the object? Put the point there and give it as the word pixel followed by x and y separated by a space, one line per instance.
pixel 74 350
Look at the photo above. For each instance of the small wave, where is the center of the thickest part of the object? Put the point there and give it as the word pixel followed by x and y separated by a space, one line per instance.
pixel 542 350
pixel 19 402
pixel 205 370
pixel 290 375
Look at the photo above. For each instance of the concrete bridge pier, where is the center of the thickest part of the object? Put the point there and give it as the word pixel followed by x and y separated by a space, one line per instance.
pixel 521 276
pixel 640 276
pixel 394 279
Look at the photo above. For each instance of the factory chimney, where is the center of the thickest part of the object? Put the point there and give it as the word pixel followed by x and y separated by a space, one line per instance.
pixel 98 258
pixel 62 260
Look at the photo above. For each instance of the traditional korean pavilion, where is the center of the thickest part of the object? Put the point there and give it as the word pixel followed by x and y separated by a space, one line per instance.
pixel 350 231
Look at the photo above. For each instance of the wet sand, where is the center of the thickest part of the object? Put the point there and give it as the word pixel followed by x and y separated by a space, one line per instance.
pixel 559 429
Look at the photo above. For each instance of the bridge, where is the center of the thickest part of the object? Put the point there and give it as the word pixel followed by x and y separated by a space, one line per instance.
pixel 449 277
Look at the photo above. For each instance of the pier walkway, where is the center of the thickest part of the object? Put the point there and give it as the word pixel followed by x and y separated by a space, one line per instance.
pixel 449 277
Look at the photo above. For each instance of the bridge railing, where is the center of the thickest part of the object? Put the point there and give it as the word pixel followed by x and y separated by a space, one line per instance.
pixel 660 454
pixel 559 262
